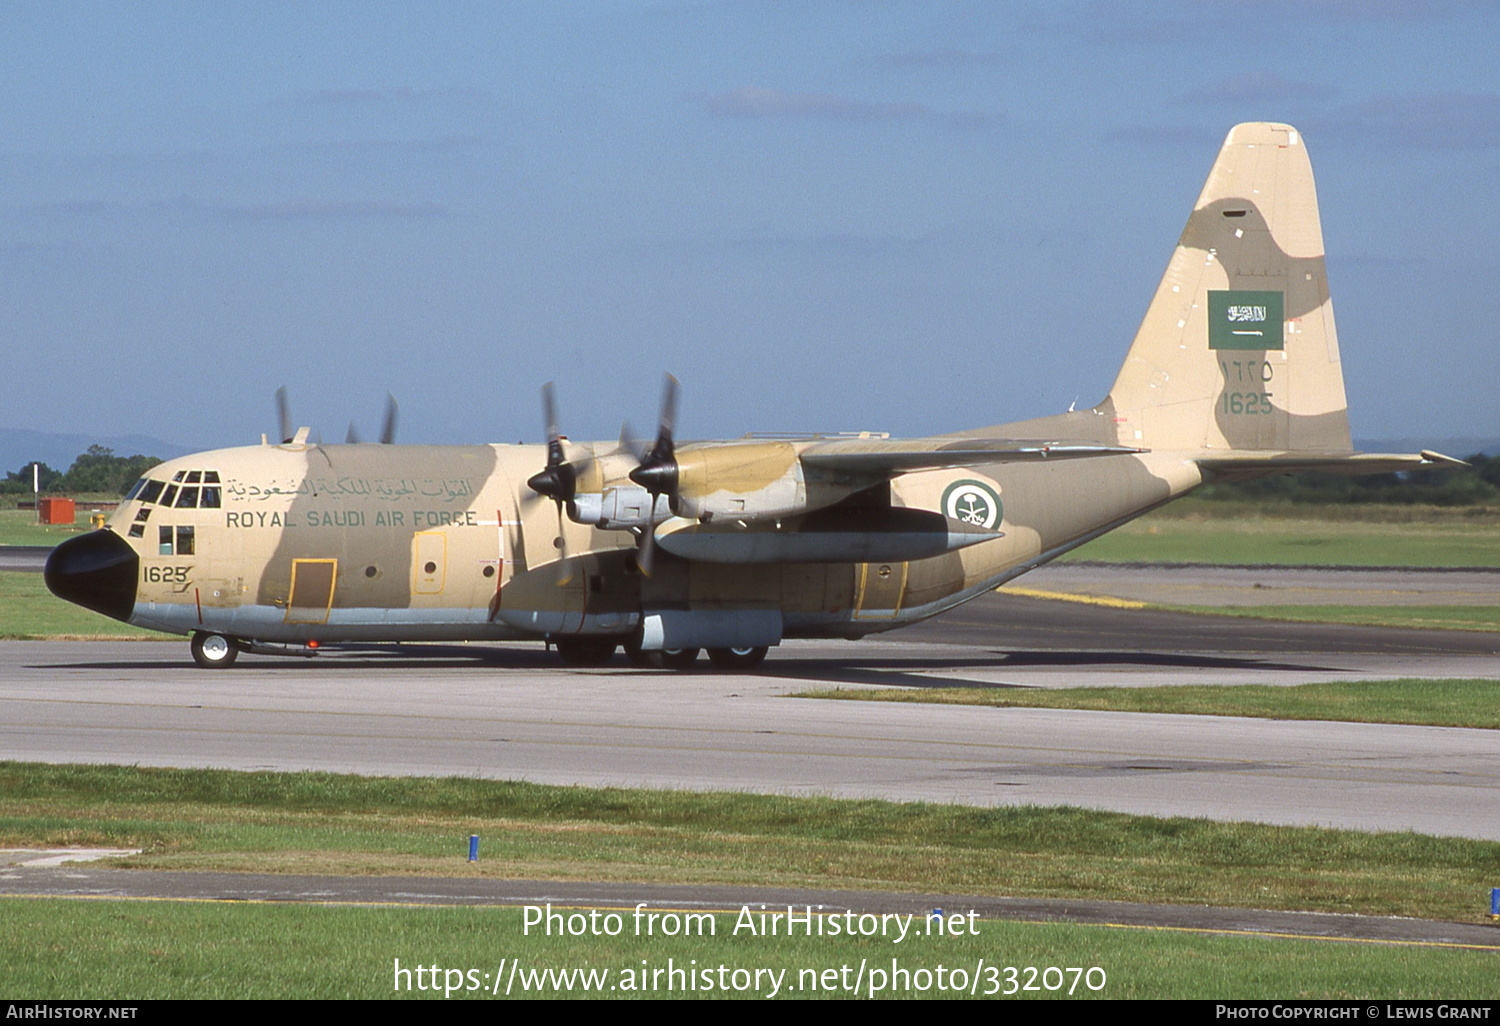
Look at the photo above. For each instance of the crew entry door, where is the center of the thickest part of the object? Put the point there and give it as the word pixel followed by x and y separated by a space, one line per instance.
pixel 312 590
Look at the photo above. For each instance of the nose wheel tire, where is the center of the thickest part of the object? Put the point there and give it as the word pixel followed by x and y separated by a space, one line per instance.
pixel 737 658
pixel 213 651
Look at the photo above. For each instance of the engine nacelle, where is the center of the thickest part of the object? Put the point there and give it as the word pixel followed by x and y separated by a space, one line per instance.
pixel 740 480
pixel 623 507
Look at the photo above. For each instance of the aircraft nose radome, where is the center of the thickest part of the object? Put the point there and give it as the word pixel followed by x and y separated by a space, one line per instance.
pixel 97 570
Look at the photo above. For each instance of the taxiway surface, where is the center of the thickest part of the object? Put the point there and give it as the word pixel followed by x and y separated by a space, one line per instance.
pixel 512 712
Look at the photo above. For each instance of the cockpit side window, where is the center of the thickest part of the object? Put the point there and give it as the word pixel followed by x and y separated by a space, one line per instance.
pixel 152 491
pixel 210 497
pixel 169 496
pixel 135 490
pixel 187 498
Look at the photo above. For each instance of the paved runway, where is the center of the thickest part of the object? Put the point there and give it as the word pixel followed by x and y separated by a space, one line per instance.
pixel 512 712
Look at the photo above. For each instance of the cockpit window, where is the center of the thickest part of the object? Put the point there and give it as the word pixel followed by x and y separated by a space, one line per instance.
pixel 185 496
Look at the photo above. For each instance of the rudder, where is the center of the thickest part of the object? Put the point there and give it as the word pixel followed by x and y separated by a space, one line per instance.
pixel 1238 350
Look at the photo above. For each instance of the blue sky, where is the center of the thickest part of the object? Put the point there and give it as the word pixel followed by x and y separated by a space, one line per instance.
pixel 912 217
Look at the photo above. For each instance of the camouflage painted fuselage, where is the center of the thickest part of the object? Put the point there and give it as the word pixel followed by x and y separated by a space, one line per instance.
pixel 373 542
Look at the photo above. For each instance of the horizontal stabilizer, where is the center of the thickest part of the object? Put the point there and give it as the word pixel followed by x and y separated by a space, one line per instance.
pixel 1328 462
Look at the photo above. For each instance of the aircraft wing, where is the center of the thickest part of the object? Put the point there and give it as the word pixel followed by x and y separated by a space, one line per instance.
pixel 886 457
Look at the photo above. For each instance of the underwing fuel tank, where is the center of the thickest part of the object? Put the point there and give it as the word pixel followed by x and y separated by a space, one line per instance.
pixel 869 535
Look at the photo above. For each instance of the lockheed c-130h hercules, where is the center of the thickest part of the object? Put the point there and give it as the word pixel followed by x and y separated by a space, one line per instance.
pixel 733 546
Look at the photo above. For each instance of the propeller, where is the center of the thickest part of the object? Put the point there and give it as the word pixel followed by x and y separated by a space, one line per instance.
pixel 387 425
pixel 657 472
pixel 283 417
pixel 558 480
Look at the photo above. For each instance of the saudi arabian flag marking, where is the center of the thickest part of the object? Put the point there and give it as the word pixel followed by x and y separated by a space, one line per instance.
pixel 1240 319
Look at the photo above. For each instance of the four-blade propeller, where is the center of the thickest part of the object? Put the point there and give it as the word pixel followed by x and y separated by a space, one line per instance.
pixel 287 435
pixel 656 470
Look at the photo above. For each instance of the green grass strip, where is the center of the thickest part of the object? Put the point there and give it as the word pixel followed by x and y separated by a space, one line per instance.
pixel 58 949
pixel 28 611
pixel 1449 618
pixel 327 823
pixel 1195 531
pixel 1432 703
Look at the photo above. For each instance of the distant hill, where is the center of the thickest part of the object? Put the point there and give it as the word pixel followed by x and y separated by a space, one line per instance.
pixel 20 446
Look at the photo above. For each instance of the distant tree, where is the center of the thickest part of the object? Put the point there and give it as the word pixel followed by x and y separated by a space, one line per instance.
pixel 100 470
pixel 1474 485
pixel 19 483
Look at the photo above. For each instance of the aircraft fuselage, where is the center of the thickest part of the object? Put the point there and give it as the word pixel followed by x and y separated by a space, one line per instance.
pixel 296 543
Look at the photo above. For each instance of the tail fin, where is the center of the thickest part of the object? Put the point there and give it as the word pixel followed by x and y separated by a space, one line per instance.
pixel 1238 350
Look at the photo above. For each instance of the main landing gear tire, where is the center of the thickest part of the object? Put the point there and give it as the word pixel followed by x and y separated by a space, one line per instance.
pixel 666 659
pixel 737 658
pixel 586 651
pixel 638 656
pixel 675 658
pixel 213 651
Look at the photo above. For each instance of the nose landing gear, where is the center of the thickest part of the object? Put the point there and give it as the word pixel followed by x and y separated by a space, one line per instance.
pixel 213 651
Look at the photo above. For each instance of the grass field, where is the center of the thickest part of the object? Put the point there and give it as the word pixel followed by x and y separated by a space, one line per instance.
pixel 1199 531
pixel 1434 703
pixel 19 527
pixel 132 950
pixel 326 823
pixel 1448 618
pixel 29 610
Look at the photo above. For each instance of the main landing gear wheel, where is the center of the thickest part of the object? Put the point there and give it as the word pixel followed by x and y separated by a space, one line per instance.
pixel 213 651
pixel 676 658
pixel 737 658
pixel 638 656
pixel 586 651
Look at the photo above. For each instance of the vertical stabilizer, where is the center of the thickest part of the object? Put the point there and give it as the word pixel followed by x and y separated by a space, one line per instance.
pixel 1238 349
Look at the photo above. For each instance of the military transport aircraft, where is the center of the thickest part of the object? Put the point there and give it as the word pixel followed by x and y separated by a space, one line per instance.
pixel 732 546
